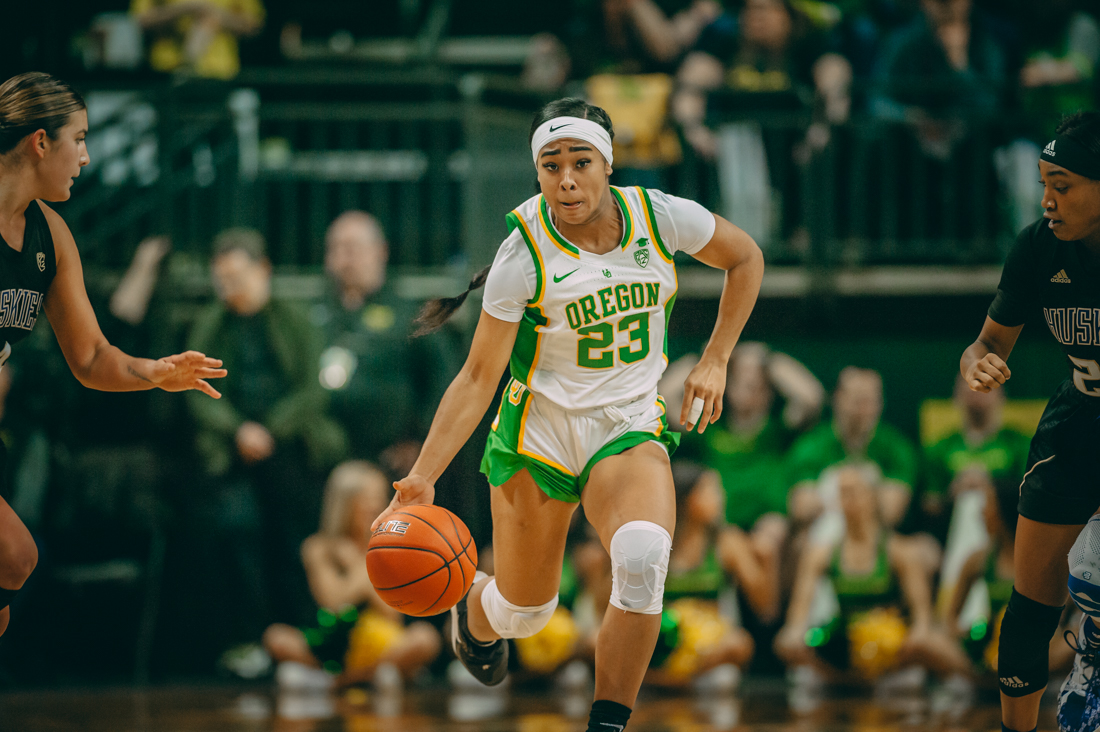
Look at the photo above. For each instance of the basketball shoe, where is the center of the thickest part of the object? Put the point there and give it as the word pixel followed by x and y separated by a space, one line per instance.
pixel 487 662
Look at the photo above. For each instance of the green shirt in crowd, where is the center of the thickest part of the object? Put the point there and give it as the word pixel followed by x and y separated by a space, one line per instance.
pixel 750 466
pixel 1003 456
pixel 821 448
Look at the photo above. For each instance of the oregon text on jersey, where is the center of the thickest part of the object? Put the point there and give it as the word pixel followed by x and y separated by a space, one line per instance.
pixel 19 308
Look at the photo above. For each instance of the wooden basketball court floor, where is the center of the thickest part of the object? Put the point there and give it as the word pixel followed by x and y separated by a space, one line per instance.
pixel 760 706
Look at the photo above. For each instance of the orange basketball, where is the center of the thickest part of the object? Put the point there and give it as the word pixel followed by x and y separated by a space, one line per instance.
pixel 421 561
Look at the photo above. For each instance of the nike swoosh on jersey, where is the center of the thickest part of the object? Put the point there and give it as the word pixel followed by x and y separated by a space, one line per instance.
pixel 559 279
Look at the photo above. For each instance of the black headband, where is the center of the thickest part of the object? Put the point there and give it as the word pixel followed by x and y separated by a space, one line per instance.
pixel 1075 158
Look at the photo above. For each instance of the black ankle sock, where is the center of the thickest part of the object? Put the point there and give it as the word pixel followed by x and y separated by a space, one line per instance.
pixel 1006 729
pixel 608 716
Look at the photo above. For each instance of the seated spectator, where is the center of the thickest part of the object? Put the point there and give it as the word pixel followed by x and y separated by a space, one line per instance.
pixel 357 637
pixel 265 443
pixel 197 36
pixel 854 434
pixel 698 577
pixel 1061 56
pixel 1057 79
pixel 383 386
pixel 948 66
pixel 982 442
pixel 993 564
pixel 747 448
pixel 767 55
pixel 884 593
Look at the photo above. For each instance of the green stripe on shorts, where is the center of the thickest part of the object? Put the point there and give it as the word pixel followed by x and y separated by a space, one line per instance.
pixel 502 459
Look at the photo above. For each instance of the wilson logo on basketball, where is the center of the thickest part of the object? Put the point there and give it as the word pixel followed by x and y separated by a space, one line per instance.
pixel 393 527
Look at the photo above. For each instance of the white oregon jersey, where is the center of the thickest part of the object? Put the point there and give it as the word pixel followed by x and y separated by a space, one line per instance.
pixel 594 333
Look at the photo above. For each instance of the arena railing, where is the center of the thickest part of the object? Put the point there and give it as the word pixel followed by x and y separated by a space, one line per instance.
pixel 440 159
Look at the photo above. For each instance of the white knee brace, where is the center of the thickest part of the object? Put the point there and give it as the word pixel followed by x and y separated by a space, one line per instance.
pixel 514 621
pixel 1084 569
pixel 639 563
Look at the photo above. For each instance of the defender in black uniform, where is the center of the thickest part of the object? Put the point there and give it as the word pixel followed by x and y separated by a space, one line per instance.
pixel 1053 271
pixel 42 127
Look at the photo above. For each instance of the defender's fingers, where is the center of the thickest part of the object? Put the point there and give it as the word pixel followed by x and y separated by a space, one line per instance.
pixel 207 389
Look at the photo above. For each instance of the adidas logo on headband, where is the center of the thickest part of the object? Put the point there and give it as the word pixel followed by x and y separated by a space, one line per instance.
pixel 1049 149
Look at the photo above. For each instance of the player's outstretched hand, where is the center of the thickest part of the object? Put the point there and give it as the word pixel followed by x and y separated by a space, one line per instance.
pixel 184 371
pixel 413 490
pixel 988 373
pixel 704 388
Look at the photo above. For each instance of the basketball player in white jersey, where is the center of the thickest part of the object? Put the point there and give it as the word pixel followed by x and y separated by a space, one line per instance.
pixel 577 303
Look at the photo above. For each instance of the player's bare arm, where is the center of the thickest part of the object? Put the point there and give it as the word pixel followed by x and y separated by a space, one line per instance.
pixel 984 363
pixel 734 251
pixel 96 363
pixel 460 411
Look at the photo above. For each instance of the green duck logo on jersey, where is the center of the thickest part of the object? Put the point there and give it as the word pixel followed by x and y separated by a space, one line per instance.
pixel 641 256
pixel 607 273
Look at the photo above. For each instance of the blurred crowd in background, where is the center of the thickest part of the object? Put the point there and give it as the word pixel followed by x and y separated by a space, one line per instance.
pixel 729 101
pixel 185 536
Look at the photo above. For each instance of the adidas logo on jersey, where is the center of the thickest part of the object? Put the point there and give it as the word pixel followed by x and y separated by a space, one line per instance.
pixel 1061 277
pixel 1013 682
pixel 1049 149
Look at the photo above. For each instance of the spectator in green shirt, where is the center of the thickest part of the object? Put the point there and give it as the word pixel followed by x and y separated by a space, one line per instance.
pixel 855 434
pixel 982 444
pixel 747 448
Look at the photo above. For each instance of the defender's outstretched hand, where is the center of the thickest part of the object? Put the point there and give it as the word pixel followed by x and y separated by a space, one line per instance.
pixel 413 490
pixel 184 371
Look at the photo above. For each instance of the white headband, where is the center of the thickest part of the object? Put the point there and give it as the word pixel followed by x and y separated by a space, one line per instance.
pixel 573 128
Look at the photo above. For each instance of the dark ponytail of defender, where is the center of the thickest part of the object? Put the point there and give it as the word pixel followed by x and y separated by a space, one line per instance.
pixel 438 311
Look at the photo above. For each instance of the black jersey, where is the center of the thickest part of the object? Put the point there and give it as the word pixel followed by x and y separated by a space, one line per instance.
pixel 25 277
pixel 1060 279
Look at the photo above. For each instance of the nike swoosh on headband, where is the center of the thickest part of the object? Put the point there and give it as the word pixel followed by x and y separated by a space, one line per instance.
pixel 555 129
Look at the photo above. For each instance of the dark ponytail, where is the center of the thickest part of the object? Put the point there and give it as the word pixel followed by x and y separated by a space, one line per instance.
pixel 438 311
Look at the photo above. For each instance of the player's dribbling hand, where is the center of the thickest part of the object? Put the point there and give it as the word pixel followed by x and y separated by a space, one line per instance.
pixel 707 382
pixel 413 490
pixel 988 373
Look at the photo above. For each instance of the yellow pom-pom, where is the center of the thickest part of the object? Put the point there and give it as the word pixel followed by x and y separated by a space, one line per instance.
pixel 371 637
pixel 701 628
pixel 552 646
pixel 875 637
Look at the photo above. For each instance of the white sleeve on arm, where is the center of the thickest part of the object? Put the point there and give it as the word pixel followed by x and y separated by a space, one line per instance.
pixel 684 225
pixel 511 281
